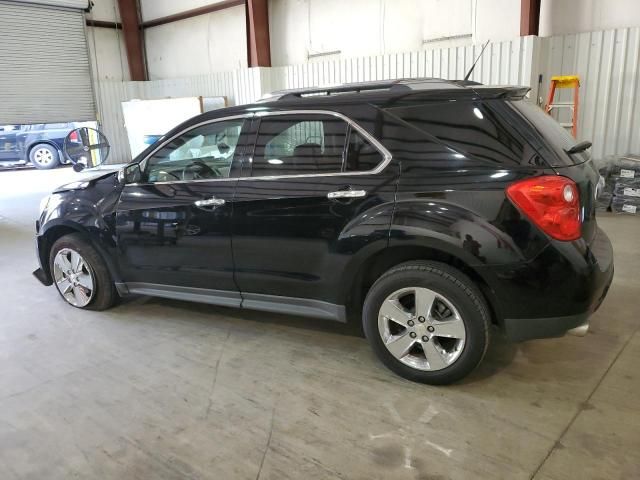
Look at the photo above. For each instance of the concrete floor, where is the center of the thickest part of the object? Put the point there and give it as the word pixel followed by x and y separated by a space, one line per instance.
pixel 158 389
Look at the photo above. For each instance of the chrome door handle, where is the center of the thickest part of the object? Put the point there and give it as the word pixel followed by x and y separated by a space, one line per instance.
pixel 347 194
pixel 210 202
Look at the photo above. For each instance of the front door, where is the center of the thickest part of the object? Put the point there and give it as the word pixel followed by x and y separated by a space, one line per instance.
pixel 174 224
pixel 314 200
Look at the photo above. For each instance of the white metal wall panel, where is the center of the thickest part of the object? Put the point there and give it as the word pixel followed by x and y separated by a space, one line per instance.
pixel 607 63
pixel 110 97
pixel 44 65
pixel 506 62
pixel 239 86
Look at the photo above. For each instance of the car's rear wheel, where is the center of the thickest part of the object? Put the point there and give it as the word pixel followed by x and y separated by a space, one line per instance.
pixel 80 274
pixel 44 156
pixel 427 322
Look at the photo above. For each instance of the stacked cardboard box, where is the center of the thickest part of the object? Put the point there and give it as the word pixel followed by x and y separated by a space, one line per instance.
pixel 624 177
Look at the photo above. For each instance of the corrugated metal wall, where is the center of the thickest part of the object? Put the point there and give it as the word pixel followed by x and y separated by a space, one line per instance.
pixel 502 63
pixel 606 61
pixel 241 86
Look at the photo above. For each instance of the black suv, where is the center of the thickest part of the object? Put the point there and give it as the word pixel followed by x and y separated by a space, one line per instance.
pixel 434 209
pixel 40 143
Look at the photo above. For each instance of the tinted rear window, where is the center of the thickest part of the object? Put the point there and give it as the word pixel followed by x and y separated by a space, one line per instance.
pixel 553 135
pixel 472 128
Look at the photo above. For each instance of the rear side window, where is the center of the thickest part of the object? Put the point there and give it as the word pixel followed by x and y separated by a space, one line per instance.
pixel 471 128
pixel 553 134
pixel 299 145
pixel 361 156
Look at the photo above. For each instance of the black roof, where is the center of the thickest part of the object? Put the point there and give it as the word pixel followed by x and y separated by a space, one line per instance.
pixel 399 87
pixel 384 94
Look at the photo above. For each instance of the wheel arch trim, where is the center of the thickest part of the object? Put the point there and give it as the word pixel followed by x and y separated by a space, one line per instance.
pixel 375 264
pixel 56 229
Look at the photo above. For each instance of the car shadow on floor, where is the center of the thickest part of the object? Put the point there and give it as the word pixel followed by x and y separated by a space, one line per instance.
pixel 500 353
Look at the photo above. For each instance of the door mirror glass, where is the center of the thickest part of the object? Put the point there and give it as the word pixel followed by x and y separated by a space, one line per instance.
pixel 132 173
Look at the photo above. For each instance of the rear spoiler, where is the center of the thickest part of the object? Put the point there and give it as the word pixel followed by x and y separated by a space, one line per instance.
pixel 507 92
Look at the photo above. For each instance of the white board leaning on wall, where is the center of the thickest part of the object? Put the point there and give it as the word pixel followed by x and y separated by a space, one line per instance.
pixel 147 120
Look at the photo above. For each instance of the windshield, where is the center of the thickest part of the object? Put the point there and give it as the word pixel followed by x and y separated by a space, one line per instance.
pixel 554 136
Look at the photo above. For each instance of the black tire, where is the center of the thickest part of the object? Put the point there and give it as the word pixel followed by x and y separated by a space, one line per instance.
pixel 459 290
pixel 104 292
pixel 44 157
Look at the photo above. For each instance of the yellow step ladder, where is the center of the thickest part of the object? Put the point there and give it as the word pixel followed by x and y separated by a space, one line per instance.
pixel 565 81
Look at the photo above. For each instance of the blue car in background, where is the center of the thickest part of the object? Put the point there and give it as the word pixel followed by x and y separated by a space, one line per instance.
pixel 39 143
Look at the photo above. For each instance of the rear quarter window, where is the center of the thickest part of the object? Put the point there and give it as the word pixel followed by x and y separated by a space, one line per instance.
pixel 552 137
pixel 474 129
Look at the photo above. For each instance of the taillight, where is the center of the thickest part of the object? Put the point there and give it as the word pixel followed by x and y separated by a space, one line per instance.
pixel 73 136
pixel 551 202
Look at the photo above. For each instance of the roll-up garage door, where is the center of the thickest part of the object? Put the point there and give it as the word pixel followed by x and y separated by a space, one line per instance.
pixel 44 63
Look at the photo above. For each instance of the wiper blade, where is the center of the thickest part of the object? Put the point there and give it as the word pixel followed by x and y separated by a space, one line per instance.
pixel 579 147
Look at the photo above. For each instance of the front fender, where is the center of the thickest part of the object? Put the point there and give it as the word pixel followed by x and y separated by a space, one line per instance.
pixel 90 212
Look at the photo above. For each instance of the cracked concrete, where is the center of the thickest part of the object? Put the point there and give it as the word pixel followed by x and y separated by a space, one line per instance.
pixel 165 390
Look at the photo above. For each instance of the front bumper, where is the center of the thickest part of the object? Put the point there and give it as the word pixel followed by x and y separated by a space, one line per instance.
pixel 41 273
pixel 555 292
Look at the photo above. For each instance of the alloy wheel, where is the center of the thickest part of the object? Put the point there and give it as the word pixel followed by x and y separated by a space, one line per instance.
pixel 421 328
pixel 73 277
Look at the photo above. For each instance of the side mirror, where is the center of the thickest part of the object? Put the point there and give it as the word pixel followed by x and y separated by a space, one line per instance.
pixel 132 173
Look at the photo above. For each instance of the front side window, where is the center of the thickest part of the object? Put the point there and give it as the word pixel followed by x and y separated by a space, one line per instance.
pixel 299 145
pixel 204 152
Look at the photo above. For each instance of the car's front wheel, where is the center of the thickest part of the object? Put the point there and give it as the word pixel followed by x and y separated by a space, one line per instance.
pixel 44 156
pixel 427 322
pixel 80 274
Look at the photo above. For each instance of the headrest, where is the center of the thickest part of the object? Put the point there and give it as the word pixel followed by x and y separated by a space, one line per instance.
pixel 306 150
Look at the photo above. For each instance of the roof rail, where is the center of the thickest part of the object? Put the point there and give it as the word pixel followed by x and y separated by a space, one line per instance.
pixel 401 84
pixel 335 89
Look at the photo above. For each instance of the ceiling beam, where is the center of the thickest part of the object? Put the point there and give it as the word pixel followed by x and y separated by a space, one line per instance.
pixel 192 13
pixel 258 42
pixel 529 17
pixel 133 38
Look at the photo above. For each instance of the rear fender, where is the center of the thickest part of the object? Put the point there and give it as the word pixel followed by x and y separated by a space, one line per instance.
pixel 450 228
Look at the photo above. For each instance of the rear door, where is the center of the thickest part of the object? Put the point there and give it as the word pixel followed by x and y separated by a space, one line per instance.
pixel 174 224
pixel 306 207
pixel 8 142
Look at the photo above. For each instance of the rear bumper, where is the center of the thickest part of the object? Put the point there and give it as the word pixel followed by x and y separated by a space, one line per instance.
pixel 555 292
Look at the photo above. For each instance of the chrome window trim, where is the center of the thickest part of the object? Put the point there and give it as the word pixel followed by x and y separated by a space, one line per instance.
pixel 370 138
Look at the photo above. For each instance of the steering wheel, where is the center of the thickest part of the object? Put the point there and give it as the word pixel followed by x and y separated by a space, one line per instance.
pixel 199 169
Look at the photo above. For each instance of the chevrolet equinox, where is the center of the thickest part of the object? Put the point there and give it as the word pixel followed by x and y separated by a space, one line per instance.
pixel 434 210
